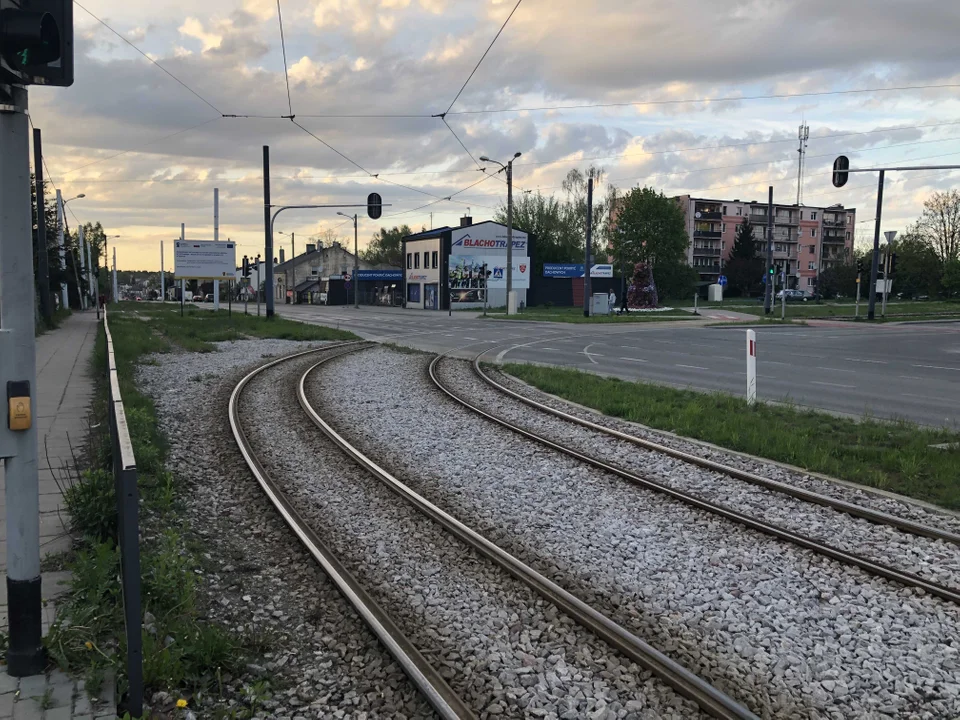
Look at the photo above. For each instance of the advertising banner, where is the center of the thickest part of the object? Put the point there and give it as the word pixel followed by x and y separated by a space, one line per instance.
pixel 466 275
pixel 573 270
pixel 486 238
pixel 396 275
pixel 204 259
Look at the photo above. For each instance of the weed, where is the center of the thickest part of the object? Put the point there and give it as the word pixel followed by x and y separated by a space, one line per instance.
pixel 45 701
pixel 91 503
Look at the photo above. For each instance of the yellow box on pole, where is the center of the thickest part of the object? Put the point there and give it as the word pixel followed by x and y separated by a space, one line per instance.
pixel 18 405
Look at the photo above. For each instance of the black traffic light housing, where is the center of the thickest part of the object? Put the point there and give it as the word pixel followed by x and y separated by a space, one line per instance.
pixel 36 42
pixel 840 174
pixel 859 267
pixel 246 266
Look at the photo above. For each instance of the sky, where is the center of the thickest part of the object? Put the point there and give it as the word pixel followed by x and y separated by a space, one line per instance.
pixel 147 145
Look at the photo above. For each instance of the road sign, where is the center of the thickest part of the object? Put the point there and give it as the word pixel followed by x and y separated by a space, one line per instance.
pixel 890 235
pixel 840 174
pixel 346 285
pixel 374 203
pixel 204 259
pixel 722 280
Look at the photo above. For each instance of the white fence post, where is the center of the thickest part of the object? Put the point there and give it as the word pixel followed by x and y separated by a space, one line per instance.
pixel 751 367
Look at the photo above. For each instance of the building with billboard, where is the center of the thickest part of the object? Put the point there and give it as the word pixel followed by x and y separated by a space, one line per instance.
pixel 458 266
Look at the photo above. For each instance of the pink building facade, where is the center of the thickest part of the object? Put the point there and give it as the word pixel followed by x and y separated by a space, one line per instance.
pixel 806 240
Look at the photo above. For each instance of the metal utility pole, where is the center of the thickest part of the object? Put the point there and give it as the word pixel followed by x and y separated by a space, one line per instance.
pixel 510 306
pixel 163 276
pixel 804 136
pixel 875 260
pixel 183 282
pixel 216 238
pixel 18 379
pixel 768 290
pixel 43 270
pixel 890 235
pixel 85 256
pixel 268 232
pixel 356 260
pixel 116 295
pixel 587 249
pixel 64 299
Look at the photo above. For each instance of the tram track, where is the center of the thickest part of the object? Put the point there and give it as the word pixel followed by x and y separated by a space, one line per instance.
pixel 428 680
pixel 647 481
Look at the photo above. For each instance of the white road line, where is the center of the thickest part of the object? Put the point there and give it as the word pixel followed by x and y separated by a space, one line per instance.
pixel 692 367
pixel 818 357
pixel 861 360
pixel 722 357
pixel 909 377
pixel 665 342
pixel 922 397
pixel 586 351
pixel 836 369
pixel 816 382
pixel 936 367
pixel 634 359
pixel 468 338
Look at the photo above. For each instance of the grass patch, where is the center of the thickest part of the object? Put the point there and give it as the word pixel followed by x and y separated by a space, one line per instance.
pixel 575 315
pixel 902 310
pixel 894 456
pixel 183 654
pixel 55 321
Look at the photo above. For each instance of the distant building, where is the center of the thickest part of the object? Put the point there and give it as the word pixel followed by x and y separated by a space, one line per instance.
pixel 320 275
pixel 805 239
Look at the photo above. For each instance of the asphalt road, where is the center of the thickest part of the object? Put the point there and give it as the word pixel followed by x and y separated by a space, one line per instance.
pixel 903 371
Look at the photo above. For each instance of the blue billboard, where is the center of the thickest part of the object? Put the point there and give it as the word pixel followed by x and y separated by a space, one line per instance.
pixel 562 270
pixel 380 275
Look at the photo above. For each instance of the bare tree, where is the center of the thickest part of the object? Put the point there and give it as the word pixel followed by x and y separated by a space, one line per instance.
pixel 939 225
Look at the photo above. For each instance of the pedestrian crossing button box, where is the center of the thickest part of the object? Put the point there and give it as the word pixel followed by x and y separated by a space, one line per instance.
pixel 18 405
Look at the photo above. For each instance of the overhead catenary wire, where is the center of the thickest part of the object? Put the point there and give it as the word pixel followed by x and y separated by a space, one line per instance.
pixel 283 47
pixel 174 77
pixel 693 101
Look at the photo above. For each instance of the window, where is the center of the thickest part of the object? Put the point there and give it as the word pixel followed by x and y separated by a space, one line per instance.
pixel 809 282
pixel 813 216
pixel 413 292
pixel 723 226
pixel 811 266
pixel 849 219
pixel 409 261
pixel 739 211
pixel 314 271
pixel 848 234
pixel 426 259
pixel 723 245
pixel 724 209
pixel 434 260
pixel 416 261
pixel 813 232
pixel 813 249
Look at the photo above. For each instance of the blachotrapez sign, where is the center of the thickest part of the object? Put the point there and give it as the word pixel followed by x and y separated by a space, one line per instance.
pixel 486 238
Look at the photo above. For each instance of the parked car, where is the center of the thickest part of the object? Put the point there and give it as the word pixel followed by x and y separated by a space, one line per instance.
pixel 793 295
pixel 208 298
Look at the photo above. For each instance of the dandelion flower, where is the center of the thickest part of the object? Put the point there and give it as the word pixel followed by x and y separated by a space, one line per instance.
pixel 181 703
pixel 89 645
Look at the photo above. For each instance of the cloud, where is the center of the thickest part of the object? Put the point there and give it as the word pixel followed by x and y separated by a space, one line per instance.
pixel 194 28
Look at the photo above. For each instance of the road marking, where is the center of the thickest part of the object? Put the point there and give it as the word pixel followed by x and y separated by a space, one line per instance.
pixel 634 359
pixel 909 377
pixel 722 357
pixel 665 342
pixel 692 367
pixel 835 369
pixel 815 382
pixel 936 367
pixel 818 357
pixel 775 362
pixel 875 362
pixel 468 338
pixel 922 397
pixel 586 351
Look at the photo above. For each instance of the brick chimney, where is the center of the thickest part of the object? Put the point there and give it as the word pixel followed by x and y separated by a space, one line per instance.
pixel 311 248
pixel 281 255
pixel 466 220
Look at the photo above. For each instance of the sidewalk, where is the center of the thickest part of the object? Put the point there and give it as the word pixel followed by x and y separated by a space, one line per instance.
pixel 65 392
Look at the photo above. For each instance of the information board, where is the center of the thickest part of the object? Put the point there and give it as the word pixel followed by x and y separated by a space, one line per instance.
pixel 204 260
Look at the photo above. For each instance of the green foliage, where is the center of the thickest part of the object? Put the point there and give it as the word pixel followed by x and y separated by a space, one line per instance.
pixel 91 503
pixel 745 267
pixel 650 227
pixel 896 456
pixel 951 278
pixel 385 248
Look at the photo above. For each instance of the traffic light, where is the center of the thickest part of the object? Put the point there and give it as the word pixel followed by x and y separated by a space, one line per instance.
pixel 840 174
pixel 859 267
pixel 772 270
pixel 36 42
pixel 246 266
pixel 893 263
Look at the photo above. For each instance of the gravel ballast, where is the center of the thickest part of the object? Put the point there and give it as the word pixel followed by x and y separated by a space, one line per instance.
pixel 787 632
pixel 502 648
pixel 935 560
pixel 899 506
pixel 257 580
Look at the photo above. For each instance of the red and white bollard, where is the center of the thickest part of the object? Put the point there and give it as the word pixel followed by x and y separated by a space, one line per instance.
pixel 751 367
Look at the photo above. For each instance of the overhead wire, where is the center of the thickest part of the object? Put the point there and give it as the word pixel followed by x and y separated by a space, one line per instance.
pixel 691 101
pixel 283 47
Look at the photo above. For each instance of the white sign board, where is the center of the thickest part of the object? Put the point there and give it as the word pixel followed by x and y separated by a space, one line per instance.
pixel 487 238
pixel 601 271
pixel 204 259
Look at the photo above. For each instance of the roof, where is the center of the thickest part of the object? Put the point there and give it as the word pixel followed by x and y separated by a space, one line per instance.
pixel 427 234
pixel 307 285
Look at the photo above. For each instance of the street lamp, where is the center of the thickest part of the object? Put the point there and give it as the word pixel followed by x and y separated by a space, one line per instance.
pixel 293 254
pixel 356 261
pixel 509 170
pixel 61 223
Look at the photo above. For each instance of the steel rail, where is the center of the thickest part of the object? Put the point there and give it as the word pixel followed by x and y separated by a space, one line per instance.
pixel 423 675
pixel 875 568
pixel 707 697
pixel 849 508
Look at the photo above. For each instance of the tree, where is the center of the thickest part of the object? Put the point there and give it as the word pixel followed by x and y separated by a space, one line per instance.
pixel 651 228
pixel 919 270
pixel 939 225
pixel 385 248
pixel 744 269
pixel 547 219
pixel 951 278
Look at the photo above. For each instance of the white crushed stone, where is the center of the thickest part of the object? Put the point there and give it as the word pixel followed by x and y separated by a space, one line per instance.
pixel 501 647
pixel 788 633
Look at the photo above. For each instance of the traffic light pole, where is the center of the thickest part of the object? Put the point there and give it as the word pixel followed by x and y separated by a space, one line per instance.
pixel 18 379
pixel 875 260
pixel 768 290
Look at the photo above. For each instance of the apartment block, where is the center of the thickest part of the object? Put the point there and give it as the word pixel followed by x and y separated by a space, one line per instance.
pixel 804 238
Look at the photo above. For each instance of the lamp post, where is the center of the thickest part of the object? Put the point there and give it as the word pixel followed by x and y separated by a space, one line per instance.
pixel 356 261
pixel 508 168
pixel 61 217
pixel 106 257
